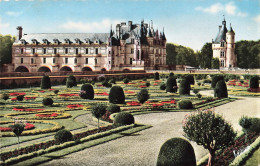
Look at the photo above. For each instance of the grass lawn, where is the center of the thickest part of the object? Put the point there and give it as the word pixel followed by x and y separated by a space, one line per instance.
pixel 254 160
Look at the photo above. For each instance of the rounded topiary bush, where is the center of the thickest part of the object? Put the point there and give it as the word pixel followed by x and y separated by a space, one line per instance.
pixel 163 86
pixel 147 84
pixel 87 92
pixel 215 79
pixel 113 108
pixel 184 87
pixel 124 118
pixel 63 136
pixel 143 95
pixel 220 90
pixel 190 79
pixel 71 81
pixel 171 85
pixel 112 81
pixel 254 82
pixel 176 152
pixel 101 79
pixel 116 95
pixel 47 101
pixel 20 97
pixel 171 74
pixel 156 76
pixel 255 125
pixel 5 96
pixel 185 104
pixel 45 82
pixel 126 80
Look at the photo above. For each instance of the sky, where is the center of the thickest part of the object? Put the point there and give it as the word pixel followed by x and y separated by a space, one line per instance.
pixel 190 23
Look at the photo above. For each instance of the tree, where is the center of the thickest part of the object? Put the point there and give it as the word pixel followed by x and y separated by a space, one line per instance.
pixel 143 96
pixel 206 56
pixel 171 85
pixel 45 82
pixel 215 63
pixel 156 76
pixel 87 92
pixel 184 87
pixel 209 130
pixel 220 90
pixel 17 129
pixel 71 81
pixel 6 49
pixel 170 55
pixel 215 79
pixel 98 111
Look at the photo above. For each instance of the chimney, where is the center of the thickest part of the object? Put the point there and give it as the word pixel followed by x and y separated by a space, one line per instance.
pixel 129 25
pixel 118 30
pixel 219 28
pixel 123 23
pixel 19 32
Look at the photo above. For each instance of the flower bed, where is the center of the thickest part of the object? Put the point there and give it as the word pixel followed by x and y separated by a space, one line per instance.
pixel 73 106
pixel 27 126
pixel 38 146
pixel 133 103
pixel 42 91
pixel 16 94
pixel 142 86
pixel 102 94
pixel 47 115
pixel 29 98
pixel 68 95
pixel 169 102
pixel 255 90
pixel 27 109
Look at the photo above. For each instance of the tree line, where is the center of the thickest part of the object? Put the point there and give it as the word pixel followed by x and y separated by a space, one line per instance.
pixel 248 55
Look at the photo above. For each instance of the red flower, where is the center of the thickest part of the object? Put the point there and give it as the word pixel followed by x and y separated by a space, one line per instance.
pixel 134 103
pixel 47 115
pixel 13 99
pixel 104 94
pixel 68 95
pixel 29 98
pixel 129 92
pixel 42 91
pixel 51 89
pixel 74 106
pixel 142 86
pixel 16 94
pixel 157 105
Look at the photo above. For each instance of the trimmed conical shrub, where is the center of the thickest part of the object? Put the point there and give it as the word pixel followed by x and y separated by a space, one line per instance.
pixel 220 90
pixel 254 82
pixel 184 87
pixel 46 82
pixel 113 108
pixel 190 79
pixel 156 76
pixel 87 92
pixel 71 81
pixel 143 96
pixel 176 152
pixel 215 79
pixel 171 85
pixel 116 95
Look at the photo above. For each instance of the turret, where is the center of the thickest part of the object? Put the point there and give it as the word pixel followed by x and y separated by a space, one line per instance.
pixel 230 38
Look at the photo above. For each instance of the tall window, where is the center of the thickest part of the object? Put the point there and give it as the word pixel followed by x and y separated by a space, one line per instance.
pixel 44 60
pixel 55 50
pixel 86 60
pixel 77 50
pixel 21 50
pixel 96 50
pixel 131 61
pixel 222 44
pixel 66 60
pixel 31 60
pixel 132 50
pixel 33 50
pixel 21 60
pixel 44 50
pixel 86 50
pixel 53 60
pixel 132 41
pixel 75 60
pixel 138 54
pixel 66 50
pixel 95 61
pixel 222 62
pixel 222 53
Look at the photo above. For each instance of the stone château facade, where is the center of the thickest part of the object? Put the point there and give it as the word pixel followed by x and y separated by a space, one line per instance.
pixel 130 47
pixel 224 47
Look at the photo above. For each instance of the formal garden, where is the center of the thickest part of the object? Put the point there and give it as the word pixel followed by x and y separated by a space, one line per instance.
pixel 43 120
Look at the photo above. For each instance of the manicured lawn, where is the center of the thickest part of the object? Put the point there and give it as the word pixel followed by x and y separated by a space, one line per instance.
pixel 254 160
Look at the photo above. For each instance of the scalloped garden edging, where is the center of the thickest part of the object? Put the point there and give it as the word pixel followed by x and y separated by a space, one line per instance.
pixel 38 116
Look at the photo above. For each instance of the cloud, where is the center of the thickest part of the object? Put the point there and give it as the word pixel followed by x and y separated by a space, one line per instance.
pixel 257 19
pixel 102 26
pixel 230 8
pixel 11 13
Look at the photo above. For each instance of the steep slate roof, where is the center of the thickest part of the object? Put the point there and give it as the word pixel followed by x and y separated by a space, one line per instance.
pixel 102 37
pixel 222 33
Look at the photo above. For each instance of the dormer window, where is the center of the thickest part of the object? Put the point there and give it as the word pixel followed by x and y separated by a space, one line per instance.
pixel 23 41
pixel 87 40
pixel 34 41
pixel 222 44
pixel 45 41
pixel 67 41
pixel 56 41
pixel 78 41
pixel 97 41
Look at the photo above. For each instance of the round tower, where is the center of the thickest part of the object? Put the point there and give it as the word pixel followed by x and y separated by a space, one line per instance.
pixel 231 58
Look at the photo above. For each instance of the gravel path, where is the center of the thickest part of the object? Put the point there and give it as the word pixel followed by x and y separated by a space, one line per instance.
pixel 143 147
